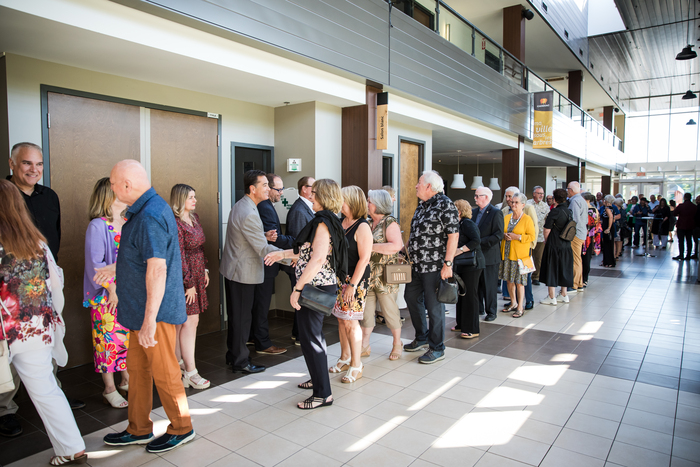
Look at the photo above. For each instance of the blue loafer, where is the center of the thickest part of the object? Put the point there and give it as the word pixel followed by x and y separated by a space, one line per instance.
pixel 125 439
pixel 168 442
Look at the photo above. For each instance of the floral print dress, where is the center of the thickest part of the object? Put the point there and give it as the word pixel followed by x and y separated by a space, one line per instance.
pixel 110 339
pixel 193 262
pixel 356 309
pixel 32 320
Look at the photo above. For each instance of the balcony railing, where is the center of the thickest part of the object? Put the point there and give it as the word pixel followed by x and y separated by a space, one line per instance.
pixel 454 28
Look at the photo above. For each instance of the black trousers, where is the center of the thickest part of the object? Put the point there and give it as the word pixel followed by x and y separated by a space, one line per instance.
pixel 468 305
pixel 292 280
pixel 685 238
pixel 488 290
pixel 239 308
pixel 590 251
pixel 259 329
pixel 313 346
pixel 421 295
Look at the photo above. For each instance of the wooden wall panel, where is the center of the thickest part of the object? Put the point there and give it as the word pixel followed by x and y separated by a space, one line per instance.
pixel 184 150
pixel 87 137
pixel 410 169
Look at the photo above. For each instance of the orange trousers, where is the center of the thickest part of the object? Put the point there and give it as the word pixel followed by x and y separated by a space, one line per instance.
pixel 156 364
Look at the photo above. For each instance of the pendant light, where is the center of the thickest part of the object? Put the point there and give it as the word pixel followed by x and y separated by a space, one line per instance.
pixel 687 53
pixel 494 186
pixel 458 181
pixel 477 182
pixel 689 95
pixel 691 122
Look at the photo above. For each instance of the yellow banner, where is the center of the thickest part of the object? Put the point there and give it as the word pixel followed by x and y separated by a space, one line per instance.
pixel 542 131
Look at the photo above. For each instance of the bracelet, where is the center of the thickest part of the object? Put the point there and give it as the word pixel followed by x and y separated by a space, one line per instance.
pixel 297 290
pixel 353 286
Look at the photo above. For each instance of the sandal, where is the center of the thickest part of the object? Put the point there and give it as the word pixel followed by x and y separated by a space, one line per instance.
pixel 306 385
pixel 456 329
pixel 182 366
pixel 315 402
pixel 123 390
pixel 338 368
pixel 349 378
pixel 194 380
pixel 366 351
pixel 115 400
pixel 66 460
pixel 469 335
pixel 518 314
pixel 396 352
pixel 509 309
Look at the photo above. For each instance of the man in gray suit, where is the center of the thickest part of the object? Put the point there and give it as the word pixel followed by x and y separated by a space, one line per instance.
pixel 242 267
pixel 298 216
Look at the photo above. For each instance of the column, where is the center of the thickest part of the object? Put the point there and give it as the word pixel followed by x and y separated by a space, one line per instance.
pixel 573 173
pixel 575 87
pixel 605 185
pixel 514 31
pixel 513 166
pixel 608 117
pixel 361 160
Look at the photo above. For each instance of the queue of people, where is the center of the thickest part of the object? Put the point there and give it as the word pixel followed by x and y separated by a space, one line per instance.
pixel 145 279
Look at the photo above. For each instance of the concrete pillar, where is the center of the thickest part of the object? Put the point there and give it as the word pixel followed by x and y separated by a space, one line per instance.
pixel 573 174
pixel 608 117
pixel 575 87
pixel 514 31
pixel 605 185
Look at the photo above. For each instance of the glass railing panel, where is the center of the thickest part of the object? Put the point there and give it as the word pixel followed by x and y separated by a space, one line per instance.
pixel 512 69
pixel 487 52
pixel 455 30
pixel 534 83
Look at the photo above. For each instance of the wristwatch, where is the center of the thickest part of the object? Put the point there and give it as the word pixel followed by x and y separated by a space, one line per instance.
pixel 448 264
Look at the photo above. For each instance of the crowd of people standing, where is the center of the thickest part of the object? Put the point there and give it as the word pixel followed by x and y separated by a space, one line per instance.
pixel 145 279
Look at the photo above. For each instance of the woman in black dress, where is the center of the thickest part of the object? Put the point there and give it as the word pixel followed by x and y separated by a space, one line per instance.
pixel 607 217
pixel 469 240
pixel 557 269
pixel 662 224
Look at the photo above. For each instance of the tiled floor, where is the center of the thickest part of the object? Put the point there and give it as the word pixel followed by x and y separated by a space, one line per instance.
pixel 613 378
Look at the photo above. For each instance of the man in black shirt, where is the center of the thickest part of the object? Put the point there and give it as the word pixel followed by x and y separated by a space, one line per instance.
pixel 27 165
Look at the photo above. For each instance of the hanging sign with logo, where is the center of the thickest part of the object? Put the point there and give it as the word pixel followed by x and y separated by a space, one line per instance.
pixel 383 120
pixel 542 132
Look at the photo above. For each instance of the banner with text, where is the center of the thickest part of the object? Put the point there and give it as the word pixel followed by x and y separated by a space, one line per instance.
pixel 542 133
pixel 383 120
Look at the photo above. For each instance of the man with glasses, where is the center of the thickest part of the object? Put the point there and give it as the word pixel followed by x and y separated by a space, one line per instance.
pixel 242 267
pixel 300 214
pixel 260 331
pixel 542 209
pixel 579 212
pixel 491 228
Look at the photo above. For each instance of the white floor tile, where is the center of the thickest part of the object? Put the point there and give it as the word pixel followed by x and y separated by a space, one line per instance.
pixel 557 457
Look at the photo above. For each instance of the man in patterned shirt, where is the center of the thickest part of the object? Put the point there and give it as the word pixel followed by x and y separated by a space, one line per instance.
pixel 542 209
pixel 431 247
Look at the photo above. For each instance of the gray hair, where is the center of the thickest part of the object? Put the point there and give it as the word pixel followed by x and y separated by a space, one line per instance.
pixel 381 200
pixel 434 180
pixel 520 197
pixel 609 199
pixel 536 187
pixel 512 189
pixel 619 201
pixel 486 191
pixel 17 147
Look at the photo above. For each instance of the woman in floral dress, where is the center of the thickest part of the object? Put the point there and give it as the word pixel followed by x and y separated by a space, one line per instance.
pixel 110 339
pixel 31 323
pixel 195 278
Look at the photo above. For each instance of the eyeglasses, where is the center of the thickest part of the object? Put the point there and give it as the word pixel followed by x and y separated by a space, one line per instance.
pixel 278 190
pixel 539 193
pixel 307 186
pixel 476 196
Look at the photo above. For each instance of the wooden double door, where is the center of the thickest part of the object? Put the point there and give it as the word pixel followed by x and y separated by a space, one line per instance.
pixel 86 138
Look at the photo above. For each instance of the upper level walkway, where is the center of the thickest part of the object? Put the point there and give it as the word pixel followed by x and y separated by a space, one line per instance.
pixel 613 378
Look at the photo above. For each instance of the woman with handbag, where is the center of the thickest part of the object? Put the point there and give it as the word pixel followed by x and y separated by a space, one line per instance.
pixel 30 323
pixel 110 340
pixel 386 234
pixel 469 264
pixel 557 269
pixel 515 250
pixel 320 251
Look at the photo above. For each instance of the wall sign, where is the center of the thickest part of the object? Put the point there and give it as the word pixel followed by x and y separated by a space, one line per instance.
pixel 293 165
pixel 383 120
pixel 542 132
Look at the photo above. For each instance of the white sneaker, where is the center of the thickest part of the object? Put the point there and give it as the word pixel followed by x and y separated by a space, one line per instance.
pixel 561 298
pixel 549 301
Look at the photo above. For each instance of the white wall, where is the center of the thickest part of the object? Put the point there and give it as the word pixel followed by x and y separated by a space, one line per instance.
pixel 555 177
pixel 328 137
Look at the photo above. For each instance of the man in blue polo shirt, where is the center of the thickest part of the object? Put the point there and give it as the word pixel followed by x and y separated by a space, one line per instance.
pixel 149 270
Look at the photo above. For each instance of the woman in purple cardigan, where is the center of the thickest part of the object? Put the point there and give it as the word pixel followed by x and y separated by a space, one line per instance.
pixel 110 339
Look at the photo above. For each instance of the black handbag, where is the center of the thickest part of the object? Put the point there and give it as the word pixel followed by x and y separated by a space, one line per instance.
pixel 466 259
pixel 317 299
pixel 449 289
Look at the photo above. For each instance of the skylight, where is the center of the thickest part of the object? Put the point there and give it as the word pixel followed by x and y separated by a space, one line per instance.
pixel 604 17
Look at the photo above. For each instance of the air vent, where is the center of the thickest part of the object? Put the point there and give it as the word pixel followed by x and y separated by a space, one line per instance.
pixel 601 78
pixel 592 66
pixel 580 52
pixel 566 33
pixel 544 7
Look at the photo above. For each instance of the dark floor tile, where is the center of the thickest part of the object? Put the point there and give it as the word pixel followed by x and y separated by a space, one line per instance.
pixel 24 446
pixel 630 347
pixel 658 380
pixel 463 344
pixel 585 365
pixel 109 415
pixel 661 360
pixel 534 336
pixel 689 386
pixel 520 350
pixel 666 370
pixel 671 353
pixel 618 372
pixel 690 364
pixel 626 354
pixel 692 375
pixel 623 362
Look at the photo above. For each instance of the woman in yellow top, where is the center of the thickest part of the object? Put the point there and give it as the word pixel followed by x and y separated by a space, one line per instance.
pixel 519 232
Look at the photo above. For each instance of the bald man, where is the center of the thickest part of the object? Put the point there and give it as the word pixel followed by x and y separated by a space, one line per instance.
pixel 149 269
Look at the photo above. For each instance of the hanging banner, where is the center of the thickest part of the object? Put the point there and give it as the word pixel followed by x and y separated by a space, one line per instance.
pixel 383 120
pixel 542 132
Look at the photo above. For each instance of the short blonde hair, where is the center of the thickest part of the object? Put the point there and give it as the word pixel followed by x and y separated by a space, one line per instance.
pixel 355 198
pixel 464 208
pixel 390 189
pixel 178 197
pixel 101 200
pixel 328 194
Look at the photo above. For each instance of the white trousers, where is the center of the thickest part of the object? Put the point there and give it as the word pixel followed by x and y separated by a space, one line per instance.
pixel 35 369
